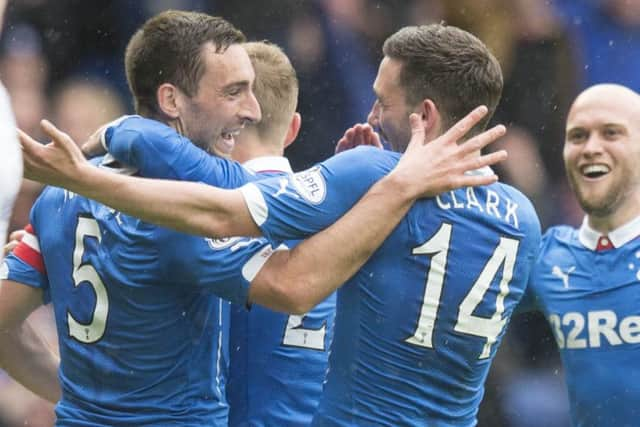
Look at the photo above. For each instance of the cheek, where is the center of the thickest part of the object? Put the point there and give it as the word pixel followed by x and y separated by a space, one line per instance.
pixel 569 154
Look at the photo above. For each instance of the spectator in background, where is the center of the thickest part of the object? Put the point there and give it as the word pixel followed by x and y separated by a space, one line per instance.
pixel 80 106
pixel 606 36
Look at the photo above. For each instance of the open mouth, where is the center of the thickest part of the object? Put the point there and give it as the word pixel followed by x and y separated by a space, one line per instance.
pixel 595 171
pixel 227 141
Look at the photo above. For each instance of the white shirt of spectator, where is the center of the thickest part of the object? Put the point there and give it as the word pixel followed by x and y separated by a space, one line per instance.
pixel 10 163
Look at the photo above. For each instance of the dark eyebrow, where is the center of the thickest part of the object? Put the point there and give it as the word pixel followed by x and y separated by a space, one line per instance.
pixel 234 85
pixel 575 130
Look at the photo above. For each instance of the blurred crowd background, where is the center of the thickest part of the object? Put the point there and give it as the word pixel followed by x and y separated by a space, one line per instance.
pixel 63 60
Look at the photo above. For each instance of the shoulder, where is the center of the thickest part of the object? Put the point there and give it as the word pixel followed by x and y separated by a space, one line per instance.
pixel 142 128
pixel 362 160
pixel 523 202
pixel 558 235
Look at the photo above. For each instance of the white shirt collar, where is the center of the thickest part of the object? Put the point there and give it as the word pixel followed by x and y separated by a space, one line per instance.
pixel 618 237
pixel 268 164
pixel 484 171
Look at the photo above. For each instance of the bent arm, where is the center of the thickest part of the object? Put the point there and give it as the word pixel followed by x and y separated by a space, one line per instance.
pixel 296 281
pixel 24 354
pixel 159 151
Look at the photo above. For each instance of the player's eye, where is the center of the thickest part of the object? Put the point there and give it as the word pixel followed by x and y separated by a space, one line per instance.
pixel 576 136
pixel 611 132
pixel 234 91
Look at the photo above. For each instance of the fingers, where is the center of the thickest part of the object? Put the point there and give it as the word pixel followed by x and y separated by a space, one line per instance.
pixel 474 181
pixel 461 128
pixel 93 147
pixel 485 160
pixel 342 145
pixel 478 142
pixel 14 239
pixel 6 249
pixel 375 139
pixel 370 137
pixel 57 136
pixel 17 235
pixel 359 134
pixel 28 144
pixel 417 127
pixel 417 132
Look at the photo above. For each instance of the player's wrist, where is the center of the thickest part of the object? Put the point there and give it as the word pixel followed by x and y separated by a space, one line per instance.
pixel 399 187
pixel 82 179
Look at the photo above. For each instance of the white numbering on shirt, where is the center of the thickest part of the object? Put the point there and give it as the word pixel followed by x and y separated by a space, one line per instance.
pixel 85 274
pixel 295 335
pixel 438 248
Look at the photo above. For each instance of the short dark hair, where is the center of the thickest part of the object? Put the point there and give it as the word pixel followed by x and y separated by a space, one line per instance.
pixel 448 65
pixel 168 49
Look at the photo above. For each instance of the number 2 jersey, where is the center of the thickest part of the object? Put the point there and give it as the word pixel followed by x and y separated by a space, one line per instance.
pixel 587 287
pixel 417 327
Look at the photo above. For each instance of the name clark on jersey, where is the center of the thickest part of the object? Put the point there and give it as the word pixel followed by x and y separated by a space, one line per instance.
pixel 494 205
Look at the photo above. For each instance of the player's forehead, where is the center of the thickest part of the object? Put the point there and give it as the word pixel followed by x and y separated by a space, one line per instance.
pixel 231 66
pixel 387 82
pixel 604 105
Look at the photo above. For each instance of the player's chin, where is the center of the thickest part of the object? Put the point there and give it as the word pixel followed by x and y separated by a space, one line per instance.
pixel 223 148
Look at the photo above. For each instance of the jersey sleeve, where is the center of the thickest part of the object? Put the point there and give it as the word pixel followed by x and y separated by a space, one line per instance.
pixel 158 151
pixel 224 267
pixel 298 205
pixel 532 295
pixel 25 264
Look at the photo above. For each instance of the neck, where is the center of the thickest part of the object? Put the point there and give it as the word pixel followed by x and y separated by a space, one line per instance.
pixel 249 147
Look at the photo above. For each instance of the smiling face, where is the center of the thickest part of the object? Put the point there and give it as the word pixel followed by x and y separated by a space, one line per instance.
pixel 602 152
pixel 390 112
pixel 224 100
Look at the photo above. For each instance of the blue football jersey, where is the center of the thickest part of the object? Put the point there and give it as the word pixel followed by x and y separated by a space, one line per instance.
pixel 417 327
pixel 158 151
pixel 141 331
pixel 278 362
pixel 590 299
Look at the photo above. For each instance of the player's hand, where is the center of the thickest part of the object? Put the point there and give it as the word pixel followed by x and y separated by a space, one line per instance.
pixel 58 163
pixel 428 168
pixel 94 145
pixel 14 238
pixel 359 134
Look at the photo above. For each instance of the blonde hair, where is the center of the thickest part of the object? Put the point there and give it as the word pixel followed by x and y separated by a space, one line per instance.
pixel 275 87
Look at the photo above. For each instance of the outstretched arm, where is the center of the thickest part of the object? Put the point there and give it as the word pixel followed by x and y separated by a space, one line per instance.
pixel 188 207
pixel 200 209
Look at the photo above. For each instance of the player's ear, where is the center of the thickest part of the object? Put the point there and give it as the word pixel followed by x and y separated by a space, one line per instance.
pixel 294 129
pixel 430 114
pixel 167 96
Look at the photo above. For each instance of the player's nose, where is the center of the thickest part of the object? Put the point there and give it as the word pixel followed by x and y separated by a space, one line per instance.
pixel 373 116
pixel 251 111
pixel 593 145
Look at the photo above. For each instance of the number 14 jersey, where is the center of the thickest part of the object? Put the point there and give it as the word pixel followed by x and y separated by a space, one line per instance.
pixel 417 327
